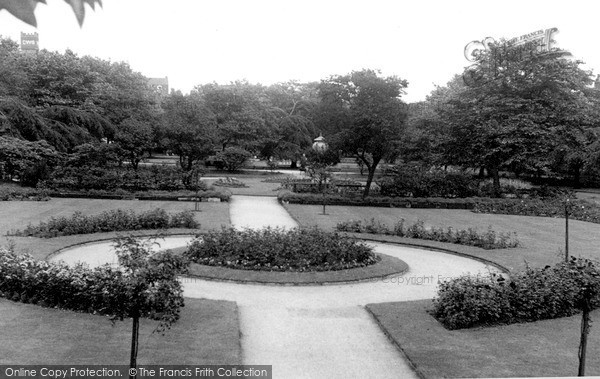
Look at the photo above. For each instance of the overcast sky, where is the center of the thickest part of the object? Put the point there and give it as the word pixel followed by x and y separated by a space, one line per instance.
pixel 267 41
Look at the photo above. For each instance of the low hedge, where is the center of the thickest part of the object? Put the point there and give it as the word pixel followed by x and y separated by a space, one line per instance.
pixel 582 210
pixel 532 295
pixel 271 249
pixel 221 194
pixel 579 209
pixel 109 221
pixel 376 201
pixel 471 237
pixel 16 193
pixel 102 290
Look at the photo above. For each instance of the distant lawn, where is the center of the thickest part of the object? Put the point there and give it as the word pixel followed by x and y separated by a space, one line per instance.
pixel 206 333
pixel 18 214
pixel 542 349
pixel 542 238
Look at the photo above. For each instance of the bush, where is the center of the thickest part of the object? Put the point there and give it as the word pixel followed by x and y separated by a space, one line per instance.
pixel 581 210
pixel 532 295
pixel 151 178
pixel 109 221
pixel 280 250
pixel 101 290
pixel 488 240
pixel 233 158
pixel 416 181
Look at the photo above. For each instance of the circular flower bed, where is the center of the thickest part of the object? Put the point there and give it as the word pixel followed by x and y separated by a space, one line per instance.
pixel 271 249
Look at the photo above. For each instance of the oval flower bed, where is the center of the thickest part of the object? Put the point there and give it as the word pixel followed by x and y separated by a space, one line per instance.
pixel 269 249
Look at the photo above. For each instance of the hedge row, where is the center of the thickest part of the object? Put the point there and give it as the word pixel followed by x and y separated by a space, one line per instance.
pixel 25 279
pixel 379 201
pixel 471 237
pixel 582 210
pixel 532 295
pixel 102 290
pixel 280 250
pixel 222 195
pixel 109 221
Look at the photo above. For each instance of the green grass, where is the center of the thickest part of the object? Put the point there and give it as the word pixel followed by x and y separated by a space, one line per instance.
pixel 207 333
pixel 542 349
pixel 542 239
pixel 18 214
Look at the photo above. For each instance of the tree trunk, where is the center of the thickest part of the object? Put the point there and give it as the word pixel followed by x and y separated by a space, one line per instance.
pixel 135 330
pixel 577 177
pixel 294 164
pixel 585 329
pixel 495 173
pixel 369 180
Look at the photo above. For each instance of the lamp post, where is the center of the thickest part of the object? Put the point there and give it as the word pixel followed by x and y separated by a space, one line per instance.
pixel 320 147
pixel 567 212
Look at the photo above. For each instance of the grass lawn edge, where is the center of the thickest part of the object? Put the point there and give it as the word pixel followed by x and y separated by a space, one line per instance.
pixel 395 342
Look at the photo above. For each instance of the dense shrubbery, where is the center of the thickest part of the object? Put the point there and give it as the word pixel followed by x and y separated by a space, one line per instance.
pixel 534 294
pixel 487 240
pixel 415 181
pixel 103 290
pixel 375 201
pixel 280 250
pixel 10 192
pixel 230 182
pixel 582 210
pixel 108 221
pixel 161 178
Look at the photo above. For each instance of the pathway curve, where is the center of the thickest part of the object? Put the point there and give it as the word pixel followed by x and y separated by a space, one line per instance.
pixel 317 331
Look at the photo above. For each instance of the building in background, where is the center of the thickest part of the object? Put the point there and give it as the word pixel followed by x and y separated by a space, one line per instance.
pixel 160 86
pixel 30 42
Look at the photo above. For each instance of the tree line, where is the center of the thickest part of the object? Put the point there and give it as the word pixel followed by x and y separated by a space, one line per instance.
pixel 521 112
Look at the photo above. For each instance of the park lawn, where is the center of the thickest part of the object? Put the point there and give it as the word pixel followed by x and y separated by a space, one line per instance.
pixel 542 238
pixel 542 349
pixel 206 333
pixel 255 183
pixel 18 214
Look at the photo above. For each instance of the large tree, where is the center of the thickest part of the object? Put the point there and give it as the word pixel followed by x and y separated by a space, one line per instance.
pixel 189 128
pixel 371 116
pixel 515 108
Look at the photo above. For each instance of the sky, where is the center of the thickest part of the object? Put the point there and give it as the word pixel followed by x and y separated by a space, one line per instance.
pixel 195 42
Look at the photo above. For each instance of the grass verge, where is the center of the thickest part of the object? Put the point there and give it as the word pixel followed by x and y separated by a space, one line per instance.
pixel 206 333
pixel 542 349
pixel 541 239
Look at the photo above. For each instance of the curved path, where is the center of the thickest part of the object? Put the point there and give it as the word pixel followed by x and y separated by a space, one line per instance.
pixel 315 331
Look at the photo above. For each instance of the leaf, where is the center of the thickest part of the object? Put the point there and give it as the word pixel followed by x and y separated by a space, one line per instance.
pixel 24 10
pixel 79 7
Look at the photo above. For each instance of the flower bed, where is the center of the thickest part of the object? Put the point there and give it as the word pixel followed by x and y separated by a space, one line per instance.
pixel 532 295
pixel 280 250
pixel 487 240
pixel 108 221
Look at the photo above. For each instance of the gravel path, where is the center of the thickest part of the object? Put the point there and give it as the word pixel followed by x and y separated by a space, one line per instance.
pixel 315 331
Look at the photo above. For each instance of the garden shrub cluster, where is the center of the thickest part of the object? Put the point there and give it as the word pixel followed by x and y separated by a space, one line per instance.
pixel 102 290
pixel 471 237
pixel 415 181
pixel 274 249
pixel 145 178
pixel 13 192
pixel 109 221
pixel 579 209
pixel 375 201
pixel 230 182
pixel 535 294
